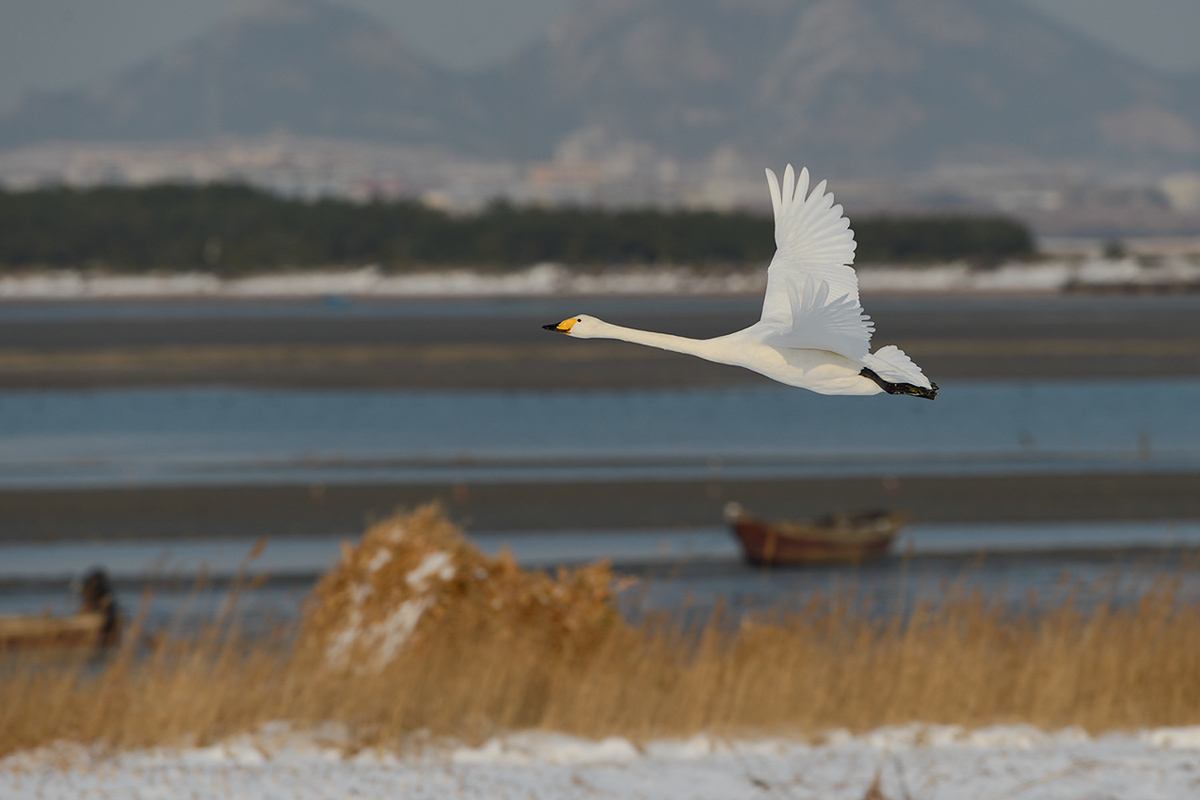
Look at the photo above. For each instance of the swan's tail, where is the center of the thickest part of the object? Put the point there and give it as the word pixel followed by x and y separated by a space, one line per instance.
pixel 893 366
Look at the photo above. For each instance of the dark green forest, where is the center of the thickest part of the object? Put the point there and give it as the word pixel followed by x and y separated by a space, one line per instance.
pixel 231 229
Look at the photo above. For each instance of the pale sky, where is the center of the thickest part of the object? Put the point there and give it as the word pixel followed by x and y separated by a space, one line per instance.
pixel 62 43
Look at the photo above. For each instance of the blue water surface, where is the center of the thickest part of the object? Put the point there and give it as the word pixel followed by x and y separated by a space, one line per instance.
pixel 184 436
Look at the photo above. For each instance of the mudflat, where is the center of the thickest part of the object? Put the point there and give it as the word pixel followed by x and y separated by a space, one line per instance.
pixel 499 344
pixel 275 510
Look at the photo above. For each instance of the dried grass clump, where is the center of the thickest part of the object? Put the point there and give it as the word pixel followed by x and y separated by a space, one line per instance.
pixel 414 577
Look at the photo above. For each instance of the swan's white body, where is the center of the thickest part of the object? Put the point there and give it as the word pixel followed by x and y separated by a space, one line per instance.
pixel 813 333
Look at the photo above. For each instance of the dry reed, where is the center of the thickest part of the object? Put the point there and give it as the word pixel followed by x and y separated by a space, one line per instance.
pixel 499 649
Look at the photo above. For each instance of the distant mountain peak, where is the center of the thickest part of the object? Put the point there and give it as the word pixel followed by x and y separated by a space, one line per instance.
pixel 291 11
pixel 857 86
pixel 307 67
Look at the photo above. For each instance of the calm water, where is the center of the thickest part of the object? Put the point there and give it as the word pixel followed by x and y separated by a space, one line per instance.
pixel 630 549
pixel 217 435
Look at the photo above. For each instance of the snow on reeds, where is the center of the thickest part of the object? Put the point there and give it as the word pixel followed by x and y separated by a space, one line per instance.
pixel 415 578
pixel 416 635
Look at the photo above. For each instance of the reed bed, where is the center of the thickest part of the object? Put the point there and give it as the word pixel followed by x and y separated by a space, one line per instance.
pixel 495 648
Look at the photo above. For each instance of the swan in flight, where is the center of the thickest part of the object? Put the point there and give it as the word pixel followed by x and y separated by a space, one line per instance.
pixel 813 333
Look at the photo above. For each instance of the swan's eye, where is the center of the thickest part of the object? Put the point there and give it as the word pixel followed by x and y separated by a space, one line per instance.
pixel 579 320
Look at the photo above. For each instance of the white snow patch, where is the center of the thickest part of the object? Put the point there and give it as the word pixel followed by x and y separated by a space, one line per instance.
pixel 546 748
pixel 436 564
pixel 389 636
pixel 935 278
pixel 929 762
pixel 338 650
pixel 385 637
pixel 340 645
pixel 1182 738
pixel 542 280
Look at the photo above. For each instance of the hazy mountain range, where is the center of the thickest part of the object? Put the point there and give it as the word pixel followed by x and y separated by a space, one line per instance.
pixel 854 85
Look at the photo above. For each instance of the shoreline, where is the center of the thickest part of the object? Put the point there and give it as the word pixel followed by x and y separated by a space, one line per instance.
pixel 1044 274
pixel 678 567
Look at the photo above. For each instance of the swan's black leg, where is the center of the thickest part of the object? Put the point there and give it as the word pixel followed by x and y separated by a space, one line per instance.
pixel 900 388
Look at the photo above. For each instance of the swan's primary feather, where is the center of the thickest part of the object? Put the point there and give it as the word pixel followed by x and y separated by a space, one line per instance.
pixel 812 292
pixel 820 323
pixel 893 364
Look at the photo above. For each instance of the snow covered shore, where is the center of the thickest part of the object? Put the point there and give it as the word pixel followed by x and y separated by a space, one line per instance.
pixel 552 279
pixel 919 762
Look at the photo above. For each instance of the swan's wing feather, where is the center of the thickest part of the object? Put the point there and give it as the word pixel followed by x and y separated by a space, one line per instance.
pixel 893 364
pixel 773 188
pixel 819 323
pixel 814 243
pixel 812 235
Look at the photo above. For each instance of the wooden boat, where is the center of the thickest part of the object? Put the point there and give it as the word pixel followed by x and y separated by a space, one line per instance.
pixel 85 629
pixel 95 625
pixel 836 538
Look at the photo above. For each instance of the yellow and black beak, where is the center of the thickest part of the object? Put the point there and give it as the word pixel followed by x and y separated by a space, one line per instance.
pixel 561 327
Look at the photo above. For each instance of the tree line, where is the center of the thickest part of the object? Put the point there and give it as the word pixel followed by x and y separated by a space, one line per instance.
pixel 233 228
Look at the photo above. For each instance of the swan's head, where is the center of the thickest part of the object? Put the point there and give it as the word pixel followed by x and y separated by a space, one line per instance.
pixel 581 326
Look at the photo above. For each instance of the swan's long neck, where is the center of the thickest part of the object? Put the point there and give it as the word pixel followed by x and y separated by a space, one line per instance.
pixel 663 341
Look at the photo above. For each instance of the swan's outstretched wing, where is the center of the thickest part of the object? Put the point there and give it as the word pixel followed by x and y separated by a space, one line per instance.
pixel 812 291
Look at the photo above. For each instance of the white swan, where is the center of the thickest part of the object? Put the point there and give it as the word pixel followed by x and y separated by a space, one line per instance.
pixel 813 333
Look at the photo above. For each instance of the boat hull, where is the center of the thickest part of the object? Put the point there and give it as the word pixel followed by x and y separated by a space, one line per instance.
pixel 851 540
pixel 77 630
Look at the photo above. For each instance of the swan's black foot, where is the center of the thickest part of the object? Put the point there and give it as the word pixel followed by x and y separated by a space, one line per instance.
pixel 900 388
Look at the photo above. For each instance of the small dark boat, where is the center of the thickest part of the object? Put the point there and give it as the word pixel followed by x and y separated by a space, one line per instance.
pixel 836 538
pixel 95 625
